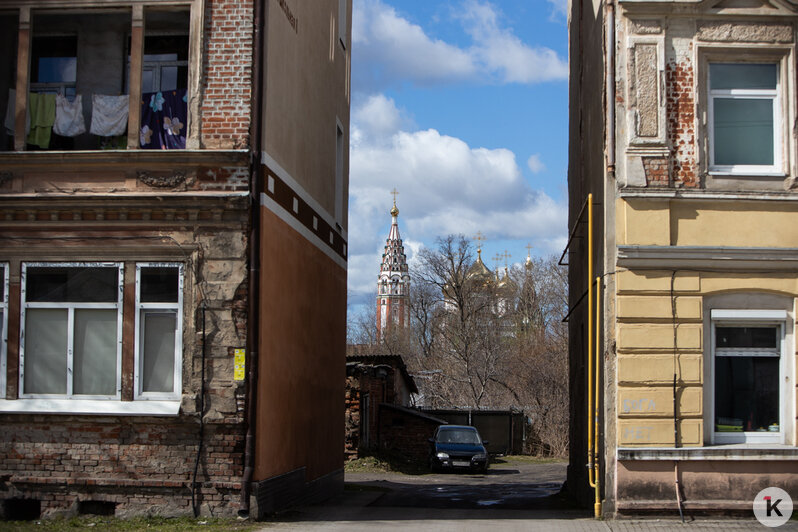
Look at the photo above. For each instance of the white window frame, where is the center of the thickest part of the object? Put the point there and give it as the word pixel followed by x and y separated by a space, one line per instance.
pixel 177 307
pixel 775 95
pixel 4 330
pixel 755 318
pixel 71 307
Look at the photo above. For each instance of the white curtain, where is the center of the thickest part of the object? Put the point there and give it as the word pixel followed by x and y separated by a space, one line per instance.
pixel 45 351
pixel 158 340
pixel 95 352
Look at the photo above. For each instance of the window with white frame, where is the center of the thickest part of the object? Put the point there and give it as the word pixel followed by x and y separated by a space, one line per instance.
pixel 749 363
pixel 744 115
pixel 3 327
pixel 159 318
pixel 70 342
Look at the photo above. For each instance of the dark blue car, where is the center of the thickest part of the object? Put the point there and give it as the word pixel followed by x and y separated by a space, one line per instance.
pixel 458 447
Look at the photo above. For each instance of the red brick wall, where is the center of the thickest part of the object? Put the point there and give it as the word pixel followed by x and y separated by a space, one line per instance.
pixel 681 123
pixel 144 465
pixel 657 171
pixel 227 74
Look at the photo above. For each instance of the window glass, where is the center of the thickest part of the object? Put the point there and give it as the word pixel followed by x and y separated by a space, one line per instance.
pixel 743 76
pixel 72 320
pixel 94 365
pixel 747 394
pixel 743 131
pixel 747 379
pixel 743 107
pixel 46 351
pixel 54 59
pixel 72 284
pixel 159 284
pixel 158 340
pixel 159 322
pixel 743 337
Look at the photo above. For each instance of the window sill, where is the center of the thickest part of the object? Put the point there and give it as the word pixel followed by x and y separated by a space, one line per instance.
pixel 90 407
pixel 740 451
pixel 744 174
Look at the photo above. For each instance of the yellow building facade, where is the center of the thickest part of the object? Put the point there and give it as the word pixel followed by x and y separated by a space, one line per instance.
pixel 685 278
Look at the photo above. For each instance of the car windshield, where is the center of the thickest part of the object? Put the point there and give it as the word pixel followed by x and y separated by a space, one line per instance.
pixel 458 436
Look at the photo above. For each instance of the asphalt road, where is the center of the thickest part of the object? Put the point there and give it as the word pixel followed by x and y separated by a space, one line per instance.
pixel 512 497
pixel 514 485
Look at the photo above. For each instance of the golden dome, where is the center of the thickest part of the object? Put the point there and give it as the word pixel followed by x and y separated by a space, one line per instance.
pixel 394 210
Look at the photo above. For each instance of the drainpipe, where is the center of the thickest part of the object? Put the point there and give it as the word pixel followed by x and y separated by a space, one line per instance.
pixel 609 88
pixel 255 186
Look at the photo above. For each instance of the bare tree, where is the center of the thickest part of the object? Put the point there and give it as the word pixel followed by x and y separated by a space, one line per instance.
pixel 459 323
pixel 477 341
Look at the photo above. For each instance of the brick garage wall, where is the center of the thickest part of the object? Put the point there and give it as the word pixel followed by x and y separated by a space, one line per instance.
pixel 406 431
pixel 227 74
pixel 352 416
pixel 378 382
pixel 144 465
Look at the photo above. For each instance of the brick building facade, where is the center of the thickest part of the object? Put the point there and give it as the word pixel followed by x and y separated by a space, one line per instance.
pixel 135 281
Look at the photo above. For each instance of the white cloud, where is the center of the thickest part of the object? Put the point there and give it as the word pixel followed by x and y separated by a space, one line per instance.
pixel 504 53
pixel 535 164
pixel 389 49
pixel 445 186
pixel 377 118
pixel 560 8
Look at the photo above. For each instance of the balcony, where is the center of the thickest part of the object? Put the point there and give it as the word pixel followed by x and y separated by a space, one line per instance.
pixel 119 79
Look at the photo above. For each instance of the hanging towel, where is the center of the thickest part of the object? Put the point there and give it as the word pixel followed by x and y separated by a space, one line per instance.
pixel 10 124
pixel 163 120
pixel 42 118
pixel 109 115
pixel 69 120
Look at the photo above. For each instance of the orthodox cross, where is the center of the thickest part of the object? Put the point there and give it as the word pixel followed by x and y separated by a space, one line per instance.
pixel 480 238
pixel 528 250
pixel 394 193
pixel 506 256
pixel 496 260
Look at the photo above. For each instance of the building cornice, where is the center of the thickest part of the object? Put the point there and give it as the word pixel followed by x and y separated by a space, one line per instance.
pixel 707 258
pixel 669 193
pixel 65 160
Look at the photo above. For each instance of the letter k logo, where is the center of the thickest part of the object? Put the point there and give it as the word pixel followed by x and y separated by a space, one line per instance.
pixel 772 506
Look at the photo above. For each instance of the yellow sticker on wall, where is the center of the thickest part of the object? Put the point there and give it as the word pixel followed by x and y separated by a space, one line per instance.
pixel 239 369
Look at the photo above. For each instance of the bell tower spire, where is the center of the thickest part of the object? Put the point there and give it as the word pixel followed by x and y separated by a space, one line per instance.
pixel 393 282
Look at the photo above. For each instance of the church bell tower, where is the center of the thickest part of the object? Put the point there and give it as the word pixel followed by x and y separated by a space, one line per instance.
pixel 393 283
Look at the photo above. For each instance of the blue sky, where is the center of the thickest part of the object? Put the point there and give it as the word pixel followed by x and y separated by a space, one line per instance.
pixel 462 106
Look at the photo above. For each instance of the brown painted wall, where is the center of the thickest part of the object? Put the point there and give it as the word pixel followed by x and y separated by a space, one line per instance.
pixel 705 484
pixel 307 88
pixel 302 355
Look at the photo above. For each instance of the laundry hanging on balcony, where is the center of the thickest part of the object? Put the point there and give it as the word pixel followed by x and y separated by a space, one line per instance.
pixel 163 120
pixel 10 120
pixel 109 115
pixel 69 121
pixel 42 118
